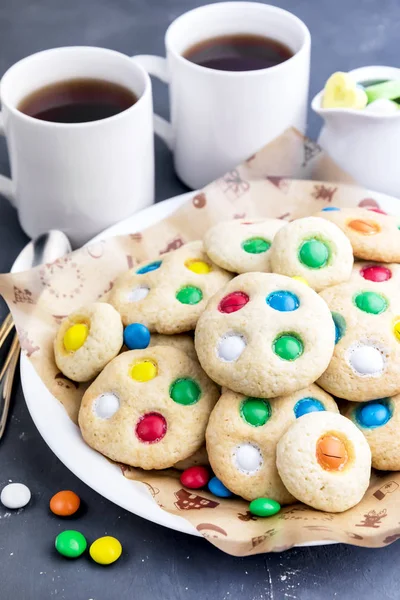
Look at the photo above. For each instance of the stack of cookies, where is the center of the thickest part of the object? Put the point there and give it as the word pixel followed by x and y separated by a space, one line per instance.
pixel 287 330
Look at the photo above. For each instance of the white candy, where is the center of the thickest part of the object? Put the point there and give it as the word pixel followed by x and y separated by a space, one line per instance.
pixel 106 405
pixel 248 458
pixel 138 293
pixel 231 347
pixel 382 106
pixel 15 495
pixel 366 360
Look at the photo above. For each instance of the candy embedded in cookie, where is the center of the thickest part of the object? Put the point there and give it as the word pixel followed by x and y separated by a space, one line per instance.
pixel 148 408
pixel 241 246
pixel 168 295
pixel 379 421
pixel 365 361
pixel 87 340
pixel 373 235
pixel 383 274
pixel 265 335
pixel 324 461
pixel 242 435
pixel 312 249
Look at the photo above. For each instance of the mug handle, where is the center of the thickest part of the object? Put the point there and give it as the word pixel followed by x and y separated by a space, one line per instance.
pixel 6 184
pixel 158 67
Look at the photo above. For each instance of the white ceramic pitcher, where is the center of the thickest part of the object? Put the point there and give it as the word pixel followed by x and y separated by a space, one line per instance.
pixel 366 145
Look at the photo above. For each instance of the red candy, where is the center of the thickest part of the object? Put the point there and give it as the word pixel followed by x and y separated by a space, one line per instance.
pixel 195 478
pixel 378 210
pixel 376 273
pixel 233 302
pixel 151 428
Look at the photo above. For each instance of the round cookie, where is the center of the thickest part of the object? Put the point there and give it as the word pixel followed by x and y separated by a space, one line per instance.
pixel 181 341
pixel 365 361
pixel 324 461
pixel 148 408
pixel 242 435
pixel 381 274
pixel 265 335
pixel 169 294
pixel 243 245
pixel 314 249
pixel 379 421
pixel 373 236
pixel 200 457
pixel 87 340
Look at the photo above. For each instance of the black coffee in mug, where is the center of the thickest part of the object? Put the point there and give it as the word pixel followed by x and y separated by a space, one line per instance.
pixel 238 52
pixel 77 101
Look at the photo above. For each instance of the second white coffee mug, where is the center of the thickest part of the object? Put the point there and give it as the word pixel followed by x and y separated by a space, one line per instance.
pixel 219 118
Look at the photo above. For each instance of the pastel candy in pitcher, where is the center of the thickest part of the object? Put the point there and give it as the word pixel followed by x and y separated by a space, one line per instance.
pixel 342 91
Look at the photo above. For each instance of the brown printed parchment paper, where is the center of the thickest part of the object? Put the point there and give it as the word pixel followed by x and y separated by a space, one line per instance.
pixel 289 178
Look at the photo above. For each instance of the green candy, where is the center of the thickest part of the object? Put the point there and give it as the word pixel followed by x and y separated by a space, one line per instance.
pixel 189 295
pixel 288 347
pixel 264 507
pixel 256 245
pixel 70 543
pixel 185 391
pixel 314 254
pixel 255 411
pixel 390 90
pixel 371 303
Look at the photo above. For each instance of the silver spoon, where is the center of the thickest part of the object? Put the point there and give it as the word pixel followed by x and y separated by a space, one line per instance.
pixel 44 249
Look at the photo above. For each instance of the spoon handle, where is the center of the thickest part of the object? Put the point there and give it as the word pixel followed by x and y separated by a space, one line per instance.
pixel 5 328
pixel 6 382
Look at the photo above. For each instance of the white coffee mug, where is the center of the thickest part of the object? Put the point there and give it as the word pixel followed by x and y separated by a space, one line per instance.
pixel 219 118
pixel 79 177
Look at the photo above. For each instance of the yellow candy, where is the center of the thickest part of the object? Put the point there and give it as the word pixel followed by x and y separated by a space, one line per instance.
pixel 144 371
pixel 75 337
pixel 105 550
pixel 301 279
pixel 198 266
pixel 396 329
pixel 341 91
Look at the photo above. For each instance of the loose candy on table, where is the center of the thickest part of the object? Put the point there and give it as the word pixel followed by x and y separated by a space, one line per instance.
pixel 217 488
pixel 342 91
pixel 264 507
pixel 15 495
pixel 388 90
pixel 105 550
pixel 136 336
pixel 65 503
pixel 195 477
pixel 70 543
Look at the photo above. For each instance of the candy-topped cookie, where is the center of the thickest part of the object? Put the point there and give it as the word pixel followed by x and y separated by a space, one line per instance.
pixel 365 362
pixel 314 249
pixel 148 408
pixel 324 461
pixel 168 294
pixel 373 235
pixel 382 274
pixel 242 435
pixel 87 340
pixel 265 335
pixel 243 245
pixel 379 421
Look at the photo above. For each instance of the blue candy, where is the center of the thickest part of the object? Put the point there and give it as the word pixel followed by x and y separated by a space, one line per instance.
pixel 373 414
pixel 329 208
pixel 307 405
pixel 283 301
pixel 136 336
pixel 340 326
pixel 153 266
pixel 217 488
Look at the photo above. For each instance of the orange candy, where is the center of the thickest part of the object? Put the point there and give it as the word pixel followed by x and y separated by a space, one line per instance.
pixel 65 503
pixel 364 227
pixel 331 453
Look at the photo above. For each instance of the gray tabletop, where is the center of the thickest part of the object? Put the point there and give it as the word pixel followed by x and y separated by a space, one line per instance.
pixel 157 562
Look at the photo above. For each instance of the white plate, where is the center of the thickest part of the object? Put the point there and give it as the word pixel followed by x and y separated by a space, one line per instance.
pixel 64 438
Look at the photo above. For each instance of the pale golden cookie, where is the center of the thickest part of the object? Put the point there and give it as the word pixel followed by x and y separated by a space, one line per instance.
pixel 380 274
pixel 181 341
pixel 373 236
pixel 365 362
pixel 314 249
pixel 168 294
pixel 324 461
pixel 265 335
pixel 148 408
pixel 242 435
pixel 200 457
pixel 87 340
pixel 379 421
pixel 243 245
